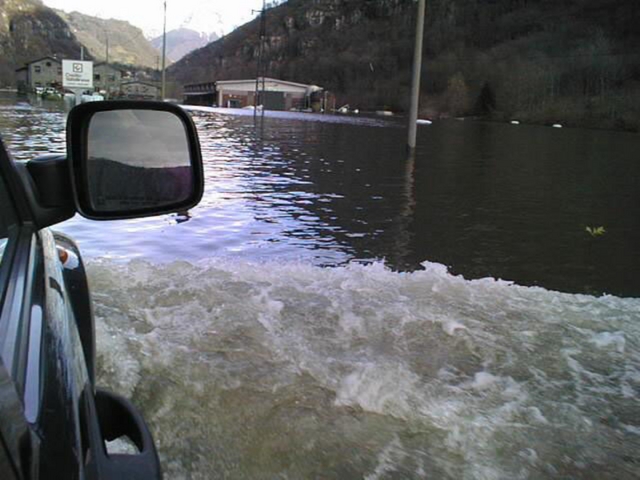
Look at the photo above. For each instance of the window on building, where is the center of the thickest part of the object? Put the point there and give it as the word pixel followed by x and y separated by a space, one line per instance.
pixel 112 78
pixel 96 77
pixel 37 69
pixel 59 70
pixel 48 64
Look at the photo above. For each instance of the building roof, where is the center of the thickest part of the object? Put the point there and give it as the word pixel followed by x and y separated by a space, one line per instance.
pixel 57 60
pixel 266 79
pixel 142 82
pixel 21 68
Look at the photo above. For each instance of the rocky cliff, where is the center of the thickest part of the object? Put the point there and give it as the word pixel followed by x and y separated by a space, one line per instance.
pixel 30 30
pixel 574 61
pixel 315 42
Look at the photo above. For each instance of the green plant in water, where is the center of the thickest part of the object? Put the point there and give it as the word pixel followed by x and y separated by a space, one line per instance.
pixel 595 231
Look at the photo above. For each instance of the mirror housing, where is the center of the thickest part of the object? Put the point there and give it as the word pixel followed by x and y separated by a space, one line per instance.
pixel 130 159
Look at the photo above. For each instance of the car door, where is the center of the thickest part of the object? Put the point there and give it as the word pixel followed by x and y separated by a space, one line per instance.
pixel 12 424
pixel 54 422
pixel 42 369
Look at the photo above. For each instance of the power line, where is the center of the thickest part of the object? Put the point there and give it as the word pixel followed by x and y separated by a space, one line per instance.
pixel 164 51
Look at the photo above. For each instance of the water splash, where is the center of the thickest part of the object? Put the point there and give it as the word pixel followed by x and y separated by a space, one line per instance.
pixel 265 370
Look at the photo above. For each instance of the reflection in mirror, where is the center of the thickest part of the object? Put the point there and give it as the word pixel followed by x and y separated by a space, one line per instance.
pixel 137 159
pixel 3 243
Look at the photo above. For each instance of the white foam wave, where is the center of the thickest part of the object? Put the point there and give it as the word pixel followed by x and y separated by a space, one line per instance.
pixel 417 372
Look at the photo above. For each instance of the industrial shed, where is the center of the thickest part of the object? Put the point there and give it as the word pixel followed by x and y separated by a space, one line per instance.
pixel 278 94
pixel 139 90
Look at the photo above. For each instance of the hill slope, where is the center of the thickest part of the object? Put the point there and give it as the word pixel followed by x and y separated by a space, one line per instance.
pixel 574 61
pixel 127 43
pixel 29 30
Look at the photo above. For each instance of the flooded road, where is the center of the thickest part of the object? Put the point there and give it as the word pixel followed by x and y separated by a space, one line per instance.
pixel 332 308
pixel 485 199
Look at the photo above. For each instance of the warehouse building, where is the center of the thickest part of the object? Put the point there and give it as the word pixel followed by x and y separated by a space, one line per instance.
pixel 200 94
pixel 139 90
pixel 277 95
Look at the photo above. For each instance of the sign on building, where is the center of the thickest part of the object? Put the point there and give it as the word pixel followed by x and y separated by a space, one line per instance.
pixel 77 74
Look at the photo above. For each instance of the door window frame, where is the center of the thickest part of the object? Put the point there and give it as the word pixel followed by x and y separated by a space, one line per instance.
pixel 15 266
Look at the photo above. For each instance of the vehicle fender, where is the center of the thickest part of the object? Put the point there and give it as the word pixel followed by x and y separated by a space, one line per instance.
pixel 77 286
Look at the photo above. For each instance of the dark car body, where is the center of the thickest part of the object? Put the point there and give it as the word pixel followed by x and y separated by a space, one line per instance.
pixel 54 420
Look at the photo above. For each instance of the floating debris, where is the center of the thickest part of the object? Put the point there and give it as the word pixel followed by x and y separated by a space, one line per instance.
pixel 595 231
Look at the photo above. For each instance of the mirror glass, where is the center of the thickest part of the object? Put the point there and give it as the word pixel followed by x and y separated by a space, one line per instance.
pixel 137 159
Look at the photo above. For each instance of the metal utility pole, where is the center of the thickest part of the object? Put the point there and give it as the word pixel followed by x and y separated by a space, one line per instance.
pixel 260 68
pixel 106 78
pixel 81 53
pixel 415 81
pixel 164 49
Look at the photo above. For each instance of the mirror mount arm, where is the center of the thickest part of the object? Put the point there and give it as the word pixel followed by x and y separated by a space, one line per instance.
pixel 48 190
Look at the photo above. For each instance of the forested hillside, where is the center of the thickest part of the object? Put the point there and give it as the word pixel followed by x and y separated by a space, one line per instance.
pixel 570 61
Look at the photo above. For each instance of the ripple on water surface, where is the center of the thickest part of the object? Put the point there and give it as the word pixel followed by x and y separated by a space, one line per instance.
pixel 485 199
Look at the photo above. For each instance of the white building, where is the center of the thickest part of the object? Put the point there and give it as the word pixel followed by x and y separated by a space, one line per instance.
pixel 138 90
pixel 278 94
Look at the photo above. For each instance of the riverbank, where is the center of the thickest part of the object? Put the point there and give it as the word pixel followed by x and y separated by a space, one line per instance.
pixel 614 112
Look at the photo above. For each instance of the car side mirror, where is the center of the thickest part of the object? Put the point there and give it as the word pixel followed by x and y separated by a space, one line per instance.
pixel 133 159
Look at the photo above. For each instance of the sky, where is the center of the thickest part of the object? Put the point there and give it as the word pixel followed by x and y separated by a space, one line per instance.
pixel 219 16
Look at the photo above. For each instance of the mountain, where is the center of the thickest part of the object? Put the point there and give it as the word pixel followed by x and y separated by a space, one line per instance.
pixel 182 41
pixel 127 44
pixel 29 30
pixel 569 61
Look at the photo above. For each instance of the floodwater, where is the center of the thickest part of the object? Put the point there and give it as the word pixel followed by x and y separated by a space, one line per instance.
pixel 334 309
